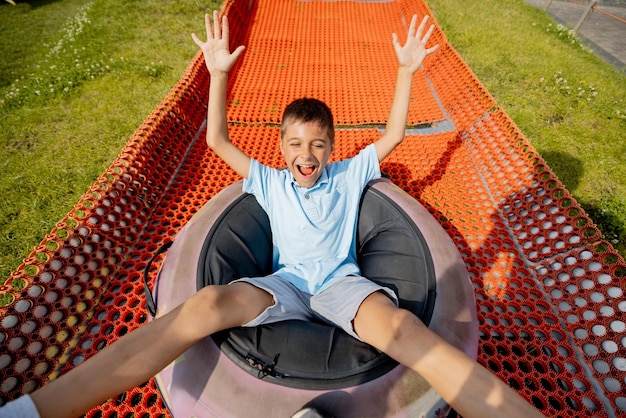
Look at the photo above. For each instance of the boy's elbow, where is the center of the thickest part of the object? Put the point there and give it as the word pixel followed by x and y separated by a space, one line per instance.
pixel 214 142
pixel 210 143
pixel 386 145
pixel 396 139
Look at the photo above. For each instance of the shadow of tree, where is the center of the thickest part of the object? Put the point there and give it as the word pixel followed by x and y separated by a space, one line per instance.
pixel 570 170
pixel 33 4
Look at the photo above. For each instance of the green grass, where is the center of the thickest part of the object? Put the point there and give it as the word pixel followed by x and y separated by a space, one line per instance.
pixel 62 124
pixel 569 103
pixel 76 80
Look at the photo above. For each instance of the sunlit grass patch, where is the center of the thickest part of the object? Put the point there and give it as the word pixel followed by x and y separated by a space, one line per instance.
pixel 78 56
pixel 72 97
pixel 78 78
pixel 569 103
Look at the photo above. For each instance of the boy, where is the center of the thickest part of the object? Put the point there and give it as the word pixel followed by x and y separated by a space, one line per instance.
pixel 317 273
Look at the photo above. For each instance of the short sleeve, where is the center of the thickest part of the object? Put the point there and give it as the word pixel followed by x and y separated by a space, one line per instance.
pixel 22 407
pixel 360 169
pixel 261 179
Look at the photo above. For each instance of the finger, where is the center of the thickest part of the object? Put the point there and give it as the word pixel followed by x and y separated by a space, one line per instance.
pixel 396 44
pixel 431 50
pixel 207 24
pixel 216 25
pixel 225 29
pixel 428 34
pixel 412 26
pixel 196 40
pixel 420 30
pixel 237 52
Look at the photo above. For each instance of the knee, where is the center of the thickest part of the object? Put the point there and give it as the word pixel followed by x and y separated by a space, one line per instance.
pixel 227 306
pixel 385 326
pixel 209 295
pixel 207 303
pixel 209 300
pixel 401 324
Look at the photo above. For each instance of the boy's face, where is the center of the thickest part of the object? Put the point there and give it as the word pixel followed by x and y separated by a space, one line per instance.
pixel 306 148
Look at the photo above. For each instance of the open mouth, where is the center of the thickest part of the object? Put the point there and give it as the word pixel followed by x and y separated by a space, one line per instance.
pixel 306 170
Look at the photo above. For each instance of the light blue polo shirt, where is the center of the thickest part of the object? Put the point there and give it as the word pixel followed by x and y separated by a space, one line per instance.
pixel 314 229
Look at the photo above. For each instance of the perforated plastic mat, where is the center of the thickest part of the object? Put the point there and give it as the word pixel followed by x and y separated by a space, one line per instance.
pixel 549 288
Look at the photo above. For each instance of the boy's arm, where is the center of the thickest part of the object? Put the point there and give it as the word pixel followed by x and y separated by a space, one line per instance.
pixel 410 58
pixel 219 61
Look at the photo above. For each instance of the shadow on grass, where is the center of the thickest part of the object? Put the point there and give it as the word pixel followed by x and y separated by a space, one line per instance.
pixel 603 212
pixel 33 4
pixel 610 225
pixel 568 169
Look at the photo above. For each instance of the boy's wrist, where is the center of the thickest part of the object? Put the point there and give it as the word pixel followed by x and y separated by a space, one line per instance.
pixel 217 75
pixel 405 70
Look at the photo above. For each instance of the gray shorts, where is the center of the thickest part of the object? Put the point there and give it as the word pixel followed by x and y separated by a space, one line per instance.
pixel 337 304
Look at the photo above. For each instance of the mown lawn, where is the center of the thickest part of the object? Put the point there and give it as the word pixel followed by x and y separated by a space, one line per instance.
pixel 569 103
pixel 77 78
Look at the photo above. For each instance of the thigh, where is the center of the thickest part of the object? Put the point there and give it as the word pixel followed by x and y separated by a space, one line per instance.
pixel 289 302
pixel 339 303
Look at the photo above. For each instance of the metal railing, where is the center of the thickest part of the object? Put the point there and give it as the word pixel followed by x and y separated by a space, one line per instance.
pixel 589 8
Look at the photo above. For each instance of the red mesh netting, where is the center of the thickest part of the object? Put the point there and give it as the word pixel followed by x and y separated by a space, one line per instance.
pixel 549 289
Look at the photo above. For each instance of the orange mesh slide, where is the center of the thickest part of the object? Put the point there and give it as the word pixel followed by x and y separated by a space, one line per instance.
pixel 549 288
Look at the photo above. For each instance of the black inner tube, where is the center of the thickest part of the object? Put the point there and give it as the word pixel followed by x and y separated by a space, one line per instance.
pixel 314 355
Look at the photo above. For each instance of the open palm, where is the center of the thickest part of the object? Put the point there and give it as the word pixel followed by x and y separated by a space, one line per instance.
pixel 412 54
pixel 217 55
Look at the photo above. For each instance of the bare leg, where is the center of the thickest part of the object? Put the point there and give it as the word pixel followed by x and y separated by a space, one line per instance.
pixel 471 389
pixel 141 354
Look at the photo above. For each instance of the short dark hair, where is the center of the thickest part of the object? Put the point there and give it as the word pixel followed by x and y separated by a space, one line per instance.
pixel 309 110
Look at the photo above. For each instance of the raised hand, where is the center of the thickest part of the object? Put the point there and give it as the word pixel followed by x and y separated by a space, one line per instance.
pixel 414 51
pixel 217 55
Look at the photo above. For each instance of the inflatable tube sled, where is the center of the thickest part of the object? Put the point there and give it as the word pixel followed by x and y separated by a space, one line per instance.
pixel 277 369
